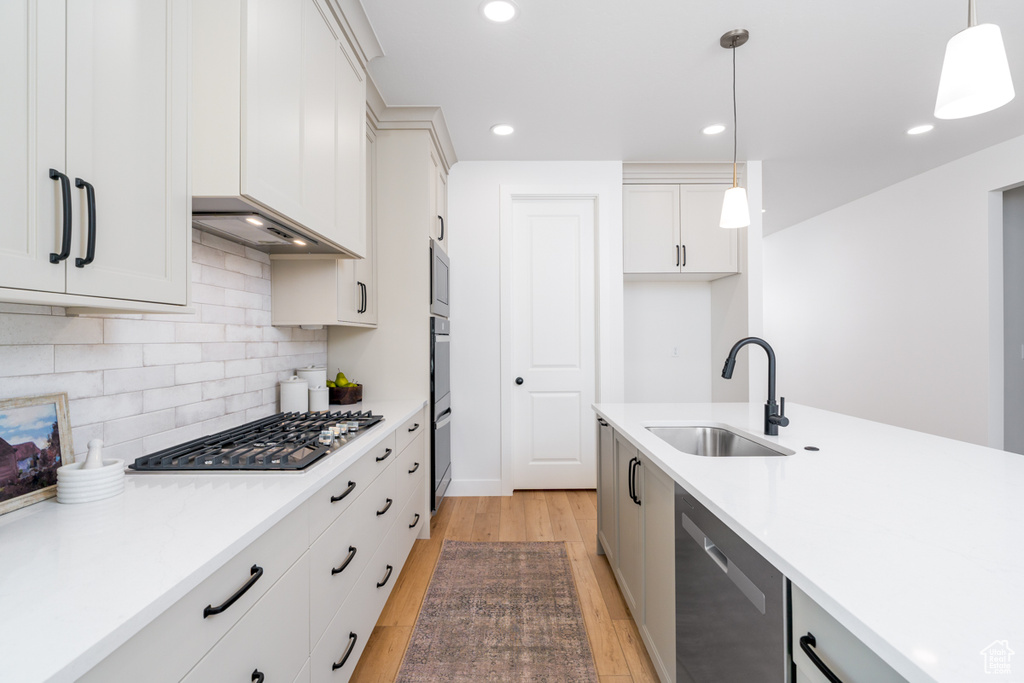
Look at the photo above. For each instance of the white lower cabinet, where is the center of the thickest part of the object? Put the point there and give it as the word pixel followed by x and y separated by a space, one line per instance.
pixel 283 607
pixel 251 649
pixel 606 526
pixel 837 650
pixel 628 566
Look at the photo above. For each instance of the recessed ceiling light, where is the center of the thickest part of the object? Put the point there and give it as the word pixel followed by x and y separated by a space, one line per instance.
pixel 502 129
pixel 254 221
pixel 713 129
pixel 499 10
pixel 917 130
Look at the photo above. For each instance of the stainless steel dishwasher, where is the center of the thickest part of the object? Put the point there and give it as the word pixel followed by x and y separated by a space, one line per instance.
pixel 731 620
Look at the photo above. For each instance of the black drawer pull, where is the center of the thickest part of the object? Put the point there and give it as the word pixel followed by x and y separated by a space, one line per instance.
pixel 257 676
pixel 414 427
pixel 348 559
pixel 387 577
pixel 90 250
pixel 386 507
pixel 352 638
pixel 350 489
pixel 415 521
pixel 255 574
pixel 387 452
pixel 417 466
pixel 441 236
pixel 65 200
pixel 806 643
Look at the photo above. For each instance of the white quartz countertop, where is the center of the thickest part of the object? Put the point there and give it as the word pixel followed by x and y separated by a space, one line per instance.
pixel 912 541
pixel 77 581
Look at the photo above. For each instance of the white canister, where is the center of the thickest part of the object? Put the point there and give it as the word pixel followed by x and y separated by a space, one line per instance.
pixel 315 375
pixel 294 395
pixel 318 399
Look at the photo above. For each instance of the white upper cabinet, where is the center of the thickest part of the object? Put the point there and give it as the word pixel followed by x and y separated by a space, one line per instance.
pixel 674 229
pixel 439 201
pixel 99 93
pixel 293 142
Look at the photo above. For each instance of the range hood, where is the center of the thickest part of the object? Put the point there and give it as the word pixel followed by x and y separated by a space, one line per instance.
pixel 241 222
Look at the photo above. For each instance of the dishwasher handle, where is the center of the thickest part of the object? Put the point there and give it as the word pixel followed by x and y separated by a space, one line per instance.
pixel 735 574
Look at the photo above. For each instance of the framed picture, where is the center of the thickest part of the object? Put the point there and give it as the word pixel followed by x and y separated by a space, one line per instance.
pixel 35 439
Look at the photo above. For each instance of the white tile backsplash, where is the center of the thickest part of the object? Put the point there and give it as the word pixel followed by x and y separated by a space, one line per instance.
pixel 145 382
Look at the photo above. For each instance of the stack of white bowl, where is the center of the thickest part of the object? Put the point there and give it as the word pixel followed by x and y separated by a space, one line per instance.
pixel 94 479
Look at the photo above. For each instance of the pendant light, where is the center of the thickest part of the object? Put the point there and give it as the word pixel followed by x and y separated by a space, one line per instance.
pixel 735 210
pixel 975 73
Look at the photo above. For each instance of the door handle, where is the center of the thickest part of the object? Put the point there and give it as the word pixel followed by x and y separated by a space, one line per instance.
pixel 65 199
pixel 677 256
pixel 387 577
pixel 629 480
pixel 806 643
pixel 684 256
pixel 90 198
pixel 254 575
pixel 636 498
pixel 441 236
pixel 519 380
pixel 348 558
pixel 257 676
pixel 352 638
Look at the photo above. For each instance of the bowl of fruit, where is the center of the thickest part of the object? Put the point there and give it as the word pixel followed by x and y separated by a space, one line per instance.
pixel 343 391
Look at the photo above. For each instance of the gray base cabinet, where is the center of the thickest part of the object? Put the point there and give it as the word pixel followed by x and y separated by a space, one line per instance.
pixel 636 503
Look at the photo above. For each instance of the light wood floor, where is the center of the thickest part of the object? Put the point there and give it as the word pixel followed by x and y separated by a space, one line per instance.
pixel 569 516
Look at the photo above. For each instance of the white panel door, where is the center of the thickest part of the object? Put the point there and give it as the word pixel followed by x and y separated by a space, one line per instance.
pixel 32 142
pixel 553 440
pixel 350 153
pixel 650 223
pixel 319 120
pixel 127 125
pixel 709 248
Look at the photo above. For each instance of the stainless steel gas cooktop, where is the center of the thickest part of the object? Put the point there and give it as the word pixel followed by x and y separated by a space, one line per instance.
pixel 282 442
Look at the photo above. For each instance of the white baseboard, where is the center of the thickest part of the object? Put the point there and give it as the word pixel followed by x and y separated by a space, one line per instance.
pixel 473 487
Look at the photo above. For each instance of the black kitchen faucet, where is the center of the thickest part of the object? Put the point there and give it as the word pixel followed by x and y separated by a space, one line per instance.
pixel 774 415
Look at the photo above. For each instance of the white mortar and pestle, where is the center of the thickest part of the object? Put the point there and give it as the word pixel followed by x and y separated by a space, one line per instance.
pixel 91 480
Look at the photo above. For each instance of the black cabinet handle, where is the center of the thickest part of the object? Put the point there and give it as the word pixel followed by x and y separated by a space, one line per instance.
pixel 519 380
pixel 677 256
pixel 387 577
pixel 257 676
pixel 362 298
pixel 387 452
pixel 348 560
pixel 806 643
pixel 684 256
pixel 602 422
pixel 386 507
pixel 636 468
pixel 441 236
pixel 255 574
pixel 90 250
pixel 415 521
pixel 350 489
pixel 417 466
pixel 352 638
pixel 414 427
pixel 65 199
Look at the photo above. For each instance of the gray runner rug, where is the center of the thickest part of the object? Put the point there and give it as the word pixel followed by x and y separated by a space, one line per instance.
pixel 500 612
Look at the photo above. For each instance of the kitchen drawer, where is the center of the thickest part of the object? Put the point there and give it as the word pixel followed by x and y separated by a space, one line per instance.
pixel 839 650
pixel 334 498
pixel 179 637
pixel 272 638
pixel 383 454
pixel 411 520
pixel 358 532
pixel 410 429
pixel 354 622
pixel 410 466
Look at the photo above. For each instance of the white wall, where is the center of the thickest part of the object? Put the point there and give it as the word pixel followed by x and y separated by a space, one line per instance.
pixel 474 191
pixel 667 342
pixel 890 307
pixel 146 382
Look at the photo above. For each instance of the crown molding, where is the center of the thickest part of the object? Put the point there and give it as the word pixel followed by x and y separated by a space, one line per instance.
pixel 354 23
pixel 431 119
pixel 654 172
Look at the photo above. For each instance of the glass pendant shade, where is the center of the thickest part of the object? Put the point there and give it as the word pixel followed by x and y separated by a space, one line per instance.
pixel 735 211
pixel 975 74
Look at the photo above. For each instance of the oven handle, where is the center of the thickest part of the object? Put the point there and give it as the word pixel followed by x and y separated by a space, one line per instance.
pixel 443 419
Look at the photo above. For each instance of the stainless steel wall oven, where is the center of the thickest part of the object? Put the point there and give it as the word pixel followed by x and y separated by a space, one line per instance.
pixel 441 408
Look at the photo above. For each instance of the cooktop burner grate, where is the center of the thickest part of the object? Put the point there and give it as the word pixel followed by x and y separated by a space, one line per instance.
pixel 286 441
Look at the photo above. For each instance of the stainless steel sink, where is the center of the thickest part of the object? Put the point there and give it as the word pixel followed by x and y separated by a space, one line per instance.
pixel 714 442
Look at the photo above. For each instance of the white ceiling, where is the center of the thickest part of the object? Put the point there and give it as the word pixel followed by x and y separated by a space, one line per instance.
pixel 826 89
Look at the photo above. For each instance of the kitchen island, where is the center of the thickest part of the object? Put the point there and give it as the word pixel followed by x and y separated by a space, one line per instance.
pixel 911 541
pixel 79 581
